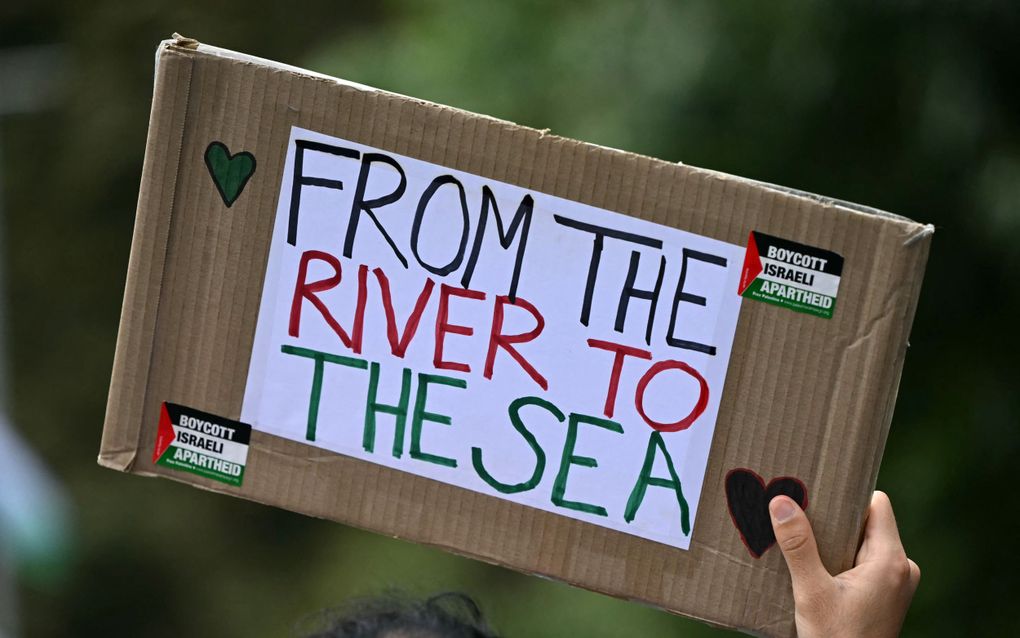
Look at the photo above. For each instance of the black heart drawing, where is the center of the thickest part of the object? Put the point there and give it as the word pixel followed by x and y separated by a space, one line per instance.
pixel 748 498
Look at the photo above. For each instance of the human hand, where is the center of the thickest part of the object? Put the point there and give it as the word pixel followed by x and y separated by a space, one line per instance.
pixel 869 600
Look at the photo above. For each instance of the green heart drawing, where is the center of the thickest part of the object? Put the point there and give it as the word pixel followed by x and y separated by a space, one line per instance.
pixel 229 172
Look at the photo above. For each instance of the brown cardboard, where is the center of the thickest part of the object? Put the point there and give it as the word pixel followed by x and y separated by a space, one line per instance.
pixel 804 397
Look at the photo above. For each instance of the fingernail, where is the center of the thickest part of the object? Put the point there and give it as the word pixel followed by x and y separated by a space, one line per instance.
pixel 782 509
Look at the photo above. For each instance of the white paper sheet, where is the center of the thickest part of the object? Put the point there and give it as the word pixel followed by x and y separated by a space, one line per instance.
pixel 464 427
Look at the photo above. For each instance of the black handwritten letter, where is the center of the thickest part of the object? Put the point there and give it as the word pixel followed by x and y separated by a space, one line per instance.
pixel 368 206
pixel 299 179
pixel 630 291
pixel 521 221
pixel 419 215
pixel 687 297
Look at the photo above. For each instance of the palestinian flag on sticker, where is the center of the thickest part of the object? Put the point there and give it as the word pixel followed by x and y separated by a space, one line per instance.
pixel 201 443
pixel 791 275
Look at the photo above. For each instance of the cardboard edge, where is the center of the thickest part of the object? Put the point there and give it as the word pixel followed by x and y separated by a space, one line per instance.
pixel 920 244
pixel 213 487
pixel 909 272
pixel 190 46
pixel 122 427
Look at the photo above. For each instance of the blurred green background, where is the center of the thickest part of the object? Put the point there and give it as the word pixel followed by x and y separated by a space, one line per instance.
pixel 909 106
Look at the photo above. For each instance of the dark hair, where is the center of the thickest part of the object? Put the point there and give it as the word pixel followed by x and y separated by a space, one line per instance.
pixel 397 615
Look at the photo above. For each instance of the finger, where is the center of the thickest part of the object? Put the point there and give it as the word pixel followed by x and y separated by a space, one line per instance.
pixel 881 536
pixel 915 574
pixel 797 542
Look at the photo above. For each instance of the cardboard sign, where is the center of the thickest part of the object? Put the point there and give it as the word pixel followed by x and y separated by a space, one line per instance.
pixel 566 359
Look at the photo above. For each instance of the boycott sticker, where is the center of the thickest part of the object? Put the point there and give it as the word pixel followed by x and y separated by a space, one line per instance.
pixel 792 275
pixel 204 444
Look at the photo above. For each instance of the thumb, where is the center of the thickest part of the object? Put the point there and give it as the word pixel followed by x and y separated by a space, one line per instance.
pixel 797 541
